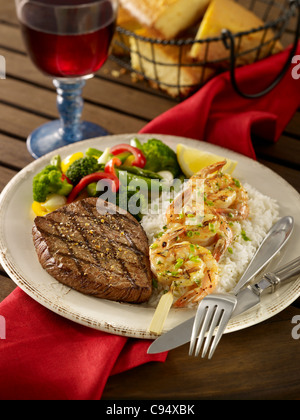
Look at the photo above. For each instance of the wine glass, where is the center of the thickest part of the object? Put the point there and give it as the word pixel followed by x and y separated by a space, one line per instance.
pixel 69 41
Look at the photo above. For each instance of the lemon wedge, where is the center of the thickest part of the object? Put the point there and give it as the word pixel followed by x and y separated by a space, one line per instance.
pixel 192 160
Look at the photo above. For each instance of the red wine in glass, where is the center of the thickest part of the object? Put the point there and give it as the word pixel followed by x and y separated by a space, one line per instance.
pixel 69 55
pixel 68 40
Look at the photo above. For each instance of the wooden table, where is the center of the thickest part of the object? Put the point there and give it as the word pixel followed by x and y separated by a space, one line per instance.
pixel 261 362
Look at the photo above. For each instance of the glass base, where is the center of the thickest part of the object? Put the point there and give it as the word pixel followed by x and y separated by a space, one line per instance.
pixel 47 137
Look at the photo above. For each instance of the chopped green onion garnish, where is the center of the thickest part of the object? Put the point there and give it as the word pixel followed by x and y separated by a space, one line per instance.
pixel 154 283
pixel 244 236
pixel 195 259
pixel 179 263
pixel 212 227
pixel 237 182
pixel 159 235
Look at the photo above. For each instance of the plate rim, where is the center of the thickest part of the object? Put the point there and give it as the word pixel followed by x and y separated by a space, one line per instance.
pixel 238 323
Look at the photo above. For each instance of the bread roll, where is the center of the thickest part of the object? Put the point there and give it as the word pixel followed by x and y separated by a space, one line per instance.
pixel 168 17
pixel 126 21
pixel 231 15
pixel 161 62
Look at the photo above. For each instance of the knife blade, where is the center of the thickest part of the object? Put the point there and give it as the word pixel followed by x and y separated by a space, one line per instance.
pixel 181 334
pixel 246 299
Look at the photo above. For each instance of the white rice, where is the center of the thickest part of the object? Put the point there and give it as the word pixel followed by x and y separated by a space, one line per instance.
pixel 264 212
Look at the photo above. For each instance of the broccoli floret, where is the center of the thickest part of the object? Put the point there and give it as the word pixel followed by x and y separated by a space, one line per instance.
pixel 82 167
pixel 49 181
pixel 160 157
pixel 56 161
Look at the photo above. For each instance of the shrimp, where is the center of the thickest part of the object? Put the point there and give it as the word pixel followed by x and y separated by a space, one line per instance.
pixel 223 192
pixel 210 188
pixel 190 271
pixel 197 221
pixel 190 202
pixel 213 231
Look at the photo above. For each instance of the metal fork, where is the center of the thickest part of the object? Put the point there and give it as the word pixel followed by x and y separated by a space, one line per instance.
pixel 215 311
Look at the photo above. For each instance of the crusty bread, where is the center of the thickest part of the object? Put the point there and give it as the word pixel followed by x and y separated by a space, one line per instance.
pixel 168 17
pixel 231 15
pixel 126 21
pixel 160 62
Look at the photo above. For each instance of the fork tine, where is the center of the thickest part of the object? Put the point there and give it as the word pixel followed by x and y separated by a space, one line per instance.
pixel 216 320
pixel 212 317
pixel 201 311
pixel 226 315
pixel 207 321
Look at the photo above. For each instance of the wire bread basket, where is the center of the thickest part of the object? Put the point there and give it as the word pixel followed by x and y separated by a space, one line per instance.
pixel 144 56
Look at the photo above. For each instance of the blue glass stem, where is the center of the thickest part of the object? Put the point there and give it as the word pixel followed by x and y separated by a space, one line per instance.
pixel 70 105
pixel 69 128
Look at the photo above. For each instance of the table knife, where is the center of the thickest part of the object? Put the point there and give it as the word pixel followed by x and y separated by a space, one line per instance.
pixel 247 298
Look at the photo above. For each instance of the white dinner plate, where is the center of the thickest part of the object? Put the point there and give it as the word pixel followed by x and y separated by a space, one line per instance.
pixel 19 259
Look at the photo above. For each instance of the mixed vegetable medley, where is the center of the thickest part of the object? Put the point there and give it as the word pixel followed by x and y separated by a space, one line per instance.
pixel 125 169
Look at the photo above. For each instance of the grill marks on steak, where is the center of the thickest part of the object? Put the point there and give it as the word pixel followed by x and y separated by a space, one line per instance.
pixel 93 247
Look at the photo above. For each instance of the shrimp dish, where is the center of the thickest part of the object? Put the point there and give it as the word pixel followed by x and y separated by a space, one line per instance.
pixel 223 193
pixel 190 271
pixel 210 188
pixel 184 259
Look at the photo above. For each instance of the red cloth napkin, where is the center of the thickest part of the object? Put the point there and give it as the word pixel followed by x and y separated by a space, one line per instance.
pixel 45 356
pixel 217 114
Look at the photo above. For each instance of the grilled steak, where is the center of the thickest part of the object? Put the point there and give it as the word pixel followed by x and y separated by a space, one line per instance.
pixel 94 248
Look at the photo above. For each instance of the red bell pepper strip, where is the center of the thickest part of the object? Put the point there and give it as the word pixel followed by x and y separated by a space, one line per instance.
pixel 110 166
pixel 89 179
pixel 65 178
pixel 140 159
